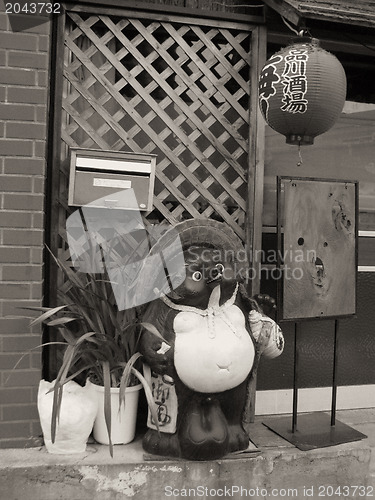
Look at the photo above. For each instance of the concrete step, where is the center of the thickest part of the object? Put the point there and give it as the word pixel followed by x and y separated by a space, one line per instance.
pixel 277 469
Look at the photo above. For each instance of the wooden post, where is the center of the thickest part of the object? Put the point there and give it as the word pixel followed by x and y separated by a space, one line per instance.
pixel 53 187
pixel 254 207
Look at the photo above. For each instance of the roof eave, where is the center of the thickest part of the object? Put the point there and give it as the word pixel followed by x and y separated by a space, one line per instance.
pixel 297 16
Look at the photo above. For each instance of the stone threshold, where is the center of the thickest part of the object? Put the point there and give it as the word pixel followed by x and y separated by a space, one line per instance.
pixel 275 470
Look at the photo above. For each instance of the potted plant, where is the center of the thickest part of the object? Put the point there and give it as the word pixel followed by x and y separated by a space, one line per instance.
pixel 100 342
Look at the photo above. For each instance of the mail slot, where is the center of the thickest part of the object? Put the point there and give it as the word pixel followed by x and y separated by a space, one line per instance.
pixel 97 177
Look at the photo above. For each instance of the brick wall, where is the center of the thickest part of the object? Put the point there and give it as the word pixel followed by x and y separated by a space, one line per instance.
pixel 24 60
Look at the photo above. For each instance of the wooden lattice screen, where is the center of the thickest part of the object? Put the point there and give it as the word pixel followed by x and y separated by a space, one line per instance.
pixel 180 91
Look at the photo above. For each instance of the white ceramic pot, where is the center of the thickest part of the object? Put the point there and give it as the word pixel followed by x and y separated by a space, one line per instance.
pixel 123 422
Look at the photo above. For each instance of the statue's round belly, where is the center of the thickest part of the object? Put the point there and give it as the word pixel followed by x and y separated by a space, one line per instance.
pixel 212 354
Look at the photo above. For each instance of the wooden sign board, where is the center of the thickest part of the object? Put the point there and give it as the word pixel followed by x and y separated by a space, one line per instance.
pixel 318 247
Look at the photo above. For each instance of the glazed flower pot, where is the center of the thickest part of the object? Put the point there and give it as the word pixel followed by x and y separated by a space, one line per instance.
pixel 77 414
pixel 123 422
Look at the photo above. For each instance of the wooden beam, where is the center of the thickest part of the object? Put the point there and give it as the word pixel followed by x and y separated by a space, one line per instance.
pixel 285 10
pixel 111 6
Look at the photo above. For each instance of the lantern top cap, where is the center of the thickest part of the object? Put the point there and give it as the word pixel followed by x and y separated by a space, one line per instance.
pixel 305 39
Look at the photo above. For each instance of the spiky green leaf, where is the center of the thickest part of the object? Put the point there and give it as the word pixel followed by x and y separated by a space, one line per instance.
pixel 51 311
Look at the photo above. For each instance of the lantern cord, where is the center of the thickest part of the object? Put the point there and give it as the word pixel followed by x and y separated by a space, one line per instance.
pixel 301 32
pixel 300 155
pixel 306 32
pixel 290 27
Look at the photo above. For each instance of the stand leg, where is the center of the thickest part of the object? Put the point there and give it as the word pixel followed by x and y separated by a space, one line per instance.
pixel 295 380
pixel 315 430
pixel 334 376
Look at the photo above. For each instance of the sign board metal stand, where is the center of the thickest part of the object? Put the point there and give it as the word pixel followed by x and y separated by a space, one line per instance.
pixel 313 430
pixel 317 429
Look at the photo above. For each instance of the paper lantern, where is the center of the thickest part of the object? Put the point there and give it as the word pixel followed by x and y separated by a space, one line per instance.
pixel 302 90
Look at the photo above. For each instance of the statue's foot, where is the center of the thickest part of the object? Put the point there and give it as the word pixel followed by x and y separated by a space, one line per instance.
pixel 161 443
pixel 203 432
pixel 238 438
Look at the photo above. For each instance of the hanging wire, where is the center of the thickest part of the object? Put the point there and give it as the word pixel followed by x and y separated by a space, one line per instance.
pixel 301 32
pixel 369 47
pixel 299 163
pixel 290 26
pixel 306 31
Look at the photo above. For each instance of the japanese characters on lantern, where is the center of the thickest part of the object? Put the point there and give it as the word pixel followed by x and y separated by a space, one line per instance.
pixel 302 90
pixel 293 79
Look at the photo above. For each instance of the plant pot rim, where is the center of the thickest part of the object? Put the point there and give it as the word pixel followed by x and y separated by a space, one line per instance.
pixel 130 388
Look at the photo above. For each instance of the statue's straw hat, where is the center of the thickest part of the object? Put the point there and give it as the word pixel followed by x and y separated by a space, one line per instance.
pixel 200 232
pixel 169 250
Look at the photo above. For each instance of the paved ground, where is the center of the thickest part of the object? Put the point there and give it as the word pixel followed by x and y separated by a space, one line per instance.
pixel 363 421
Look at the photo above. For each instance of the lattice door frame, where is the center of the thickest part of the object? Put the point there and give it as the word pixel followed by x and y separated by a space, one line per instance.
pixel 197 73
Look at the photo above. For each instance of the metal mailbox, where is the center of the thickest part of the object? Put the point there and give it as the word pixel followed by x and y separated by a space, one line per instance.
pixel 97 177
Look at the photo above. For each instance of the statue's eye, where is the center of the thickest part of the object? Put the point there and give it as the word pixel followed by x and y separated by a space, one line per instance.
pixel 197 276
pixel 220 268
